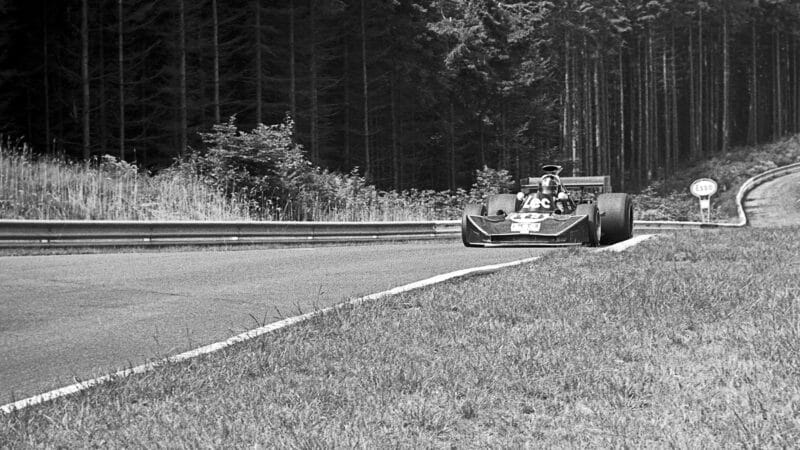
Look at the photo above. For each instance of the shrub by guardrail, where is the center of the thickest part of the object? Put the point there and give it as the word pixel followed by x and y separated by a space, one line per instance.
pixel 270 170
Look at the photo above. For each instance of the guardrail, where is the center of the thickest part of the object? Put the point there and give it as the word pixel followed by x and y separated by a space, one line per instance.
pixel 91 233
pixel 99 233
pixel 96 233
pixel 669 225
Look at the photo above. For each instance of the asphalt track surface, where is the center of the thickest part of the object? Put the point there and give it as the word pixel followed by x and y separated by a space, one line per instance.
pixel 774 203
pixel 74 317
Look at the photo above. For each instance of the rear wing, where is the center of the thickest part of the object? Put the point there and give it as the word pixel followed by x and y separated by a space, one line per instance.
pixel 599 184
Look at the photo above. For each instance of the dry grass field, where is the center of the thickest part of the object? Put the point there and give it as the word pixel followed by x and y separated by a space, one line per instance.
pixel 688 340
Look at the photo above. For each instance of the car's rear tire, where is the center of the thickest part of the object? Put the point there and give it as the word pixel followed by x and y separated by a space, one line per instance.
pixel 595 230
pixel 501 204
pixel 471 209
pixel 617 213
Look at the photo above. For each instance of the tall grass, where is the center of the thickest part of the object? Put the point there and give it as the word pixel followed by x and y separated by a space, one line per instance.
pixel 377 206
pixel 43 188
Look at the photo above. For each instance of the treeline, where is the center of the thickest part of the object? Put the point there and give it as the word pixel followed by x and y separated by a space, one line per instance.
pixel 415 93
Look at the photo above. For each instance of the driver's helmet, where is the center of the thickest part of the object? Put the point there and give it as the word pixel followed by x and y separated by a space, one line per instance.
pixel 548 185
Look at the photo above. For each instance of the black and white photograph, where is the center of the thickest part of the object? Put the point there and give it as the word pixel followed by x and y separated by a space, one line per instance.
pixel 313 224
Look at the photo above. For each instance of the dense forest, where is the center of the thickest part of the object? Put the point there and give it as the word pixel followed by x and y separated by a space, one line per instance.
pixel 412 93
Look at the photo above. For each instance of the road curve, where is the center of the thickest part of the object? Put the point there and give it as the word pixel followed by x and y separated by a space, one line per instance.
pixel 78 316
pixel 774 203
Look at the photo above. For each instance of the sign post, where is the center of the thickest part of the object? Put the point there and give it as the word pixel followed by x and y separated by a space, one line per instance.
pixel 703 189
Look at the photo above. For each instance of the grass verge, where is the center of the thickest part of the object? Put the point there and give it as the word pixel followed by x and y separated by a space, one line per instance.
pixel 685 340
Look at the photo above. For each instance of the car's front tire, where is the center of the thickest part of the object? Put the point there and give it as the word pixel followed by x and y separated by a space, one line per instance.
pixel 471 209
pixel 594 224
pixel 617 212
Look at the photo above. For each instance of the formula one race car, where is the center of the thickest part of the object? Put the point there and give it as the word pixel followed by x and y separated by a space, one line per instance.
pixel 551 211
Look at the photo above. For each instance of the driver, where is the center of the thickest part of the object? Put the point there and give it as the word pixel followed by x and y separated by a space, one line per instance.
pixel 550 185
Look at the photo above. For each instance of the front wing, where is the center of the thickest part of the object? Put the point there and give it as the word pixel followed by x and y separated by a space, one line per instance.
pixel 492 231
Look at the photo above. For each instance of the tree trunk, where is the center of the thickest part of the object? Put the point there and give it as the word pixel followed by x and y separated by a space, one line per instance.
pixel 650 142
pixel 183 113
pixel 752 123
pixel 102 89
pixel 566 133
pixel 346 82
pixel 701 119
pixel 778 89
pixel 692 100
pixel 588 155
pixel 675 136
pixel 292 69
pixel 46 80
pixel 605 106
pixel 796 85
pixel 121 79
pixel 621 155
pixel 503 139
pixel 667 125
pixel 595 166
pixel 726 70
pixel 638 156
pixel 259 118
pixel 574 123
pixel 482 128
pixel 452 155
pixel 395 149
pixel 365 85
pixel 712 104
pixel 314 119
pixel 28 111
pixel 85 77
pixel 215 20
pixel 791 86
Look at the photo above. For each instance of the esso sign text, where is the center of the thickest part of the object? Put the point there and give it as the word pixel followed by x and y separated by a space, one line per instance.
pixel 704 187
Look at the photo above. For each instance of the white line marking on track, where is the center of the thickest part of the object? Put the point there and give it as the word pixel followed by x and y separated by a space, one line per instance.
pixel 246 336
pixel 624 245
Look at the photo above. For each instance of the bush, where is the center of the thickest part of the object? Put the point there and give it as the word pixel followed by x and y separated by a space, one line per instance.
pixel 490 181
pixel 261 166
pixel 266 169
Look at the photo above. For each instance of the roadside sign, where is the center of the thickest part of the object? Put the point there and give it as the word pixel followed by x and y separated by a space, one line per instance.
pixel 704 187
